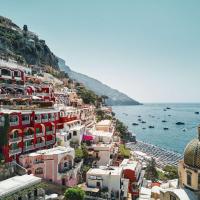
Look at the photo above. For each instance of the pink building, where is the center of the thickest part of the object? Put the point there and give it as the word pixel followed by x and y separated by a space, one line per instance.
pixel 56 165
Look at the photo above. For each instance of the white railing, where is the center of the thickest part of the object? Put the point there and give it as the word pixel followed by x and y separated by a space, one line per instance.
pixel 38 121
pixel 50 142
pixel 28 148
pixel 15 151
pixel 40 134
pixel 28 137
pixel 14 123
pixel 45 120
pixel 25 122
pixel 15 139
pixel 49 132
pixel 39 145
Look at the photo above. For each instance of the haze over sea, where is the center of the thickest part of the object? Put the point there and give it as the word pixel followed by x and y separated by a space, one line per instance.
pixel 174 138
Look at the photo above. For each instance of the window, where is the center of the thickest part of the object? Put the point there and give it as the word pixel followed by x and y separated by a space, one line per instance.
pixel 25 119
pixel 74 133
pixel 2 120
pixel 15 134
pixel 37 118
pixel 189 178
pixel 37 130
pixel 62 113
pixel 51 116
pixel 98 184
pixel 14 120
pixel 39 171
pixel 172 197
pixel 14 146
pixel 45 117
pixel 17 74
pixel 5 72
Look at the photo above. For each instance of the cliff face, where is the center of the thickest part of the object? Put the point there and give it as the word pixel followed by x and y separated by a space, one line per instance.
pixel 114 96
pixel 23 45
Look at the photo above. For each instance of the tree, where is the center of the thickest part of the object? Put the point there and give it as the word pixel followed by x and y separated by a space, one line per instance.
pixel 104 97
pixel 171 172
pixel 74 193
pixel 151 172
pixel 25 28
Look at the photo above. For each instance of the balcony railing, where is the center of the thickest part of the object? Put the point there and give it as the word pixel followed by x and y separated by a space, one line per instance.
pixel 49 132
pixel 39 145
pixel 14 123
pixel 28 137
pixel 17 139
pixel 25 122
pixel 28 148
pixel 50 142
pixel 64 170
pixel 41 134
pixel 15 151
pixel 38 161
pixel 45 120
pixel 37 120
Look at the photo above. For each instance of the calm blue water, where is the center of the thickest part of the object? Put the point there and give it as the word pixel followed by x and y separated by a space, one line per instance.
pixel 174 138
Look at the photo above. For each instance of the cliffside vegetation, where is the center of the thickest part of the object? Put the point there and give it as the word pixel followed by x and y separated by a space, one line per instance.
pixel 24 46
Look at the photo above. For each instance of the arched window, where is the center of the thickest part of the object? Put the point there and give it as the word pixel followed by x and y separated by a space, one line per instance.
pixel 189 178
pixel 39 171
pixel 74 133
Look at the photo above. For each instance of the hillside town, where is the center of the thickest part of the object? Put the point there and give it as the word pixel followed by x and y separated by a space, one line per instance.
pixel 55 142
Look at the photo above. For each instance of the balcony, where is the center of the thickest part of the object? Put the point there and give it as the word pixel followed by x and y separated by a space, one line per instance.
pixel 50 142
pixel 28 137
pixel 64 170
pixel 16 139
pixel 38 161
pixel 15 151
pixel 28 148
pixel 39 145
pixel 41 134
pixel 50 132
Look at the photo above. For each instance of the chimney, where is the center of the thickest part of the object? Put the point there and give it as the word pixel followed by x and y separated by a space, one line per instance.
pixel 199 132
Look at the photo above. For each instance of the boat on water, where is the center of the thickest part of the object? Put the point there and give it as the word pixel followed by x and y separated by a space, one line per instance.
pixel 135 124
pixel 165 128
pixel 143 122
pixel 143 128
pixel 164 110
pixel 184 129
pixel 168 108
pixel 151 127
pixel 169 115
pixel 139 120
pixel 197 113
pixel 164 121
pixel 180 123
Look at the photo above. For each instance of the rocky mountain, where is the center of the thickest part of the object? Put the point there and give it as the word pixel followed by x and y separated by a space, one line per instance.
pixel 114 96
pixel 23 45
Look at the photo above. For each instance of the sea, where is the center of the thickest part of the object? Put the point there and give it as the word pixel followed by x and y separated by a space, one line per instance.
pixel 176 137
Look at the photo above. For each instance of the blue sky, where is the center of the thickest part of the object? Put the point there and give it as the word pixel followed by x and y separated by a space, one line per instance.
pixel 149 49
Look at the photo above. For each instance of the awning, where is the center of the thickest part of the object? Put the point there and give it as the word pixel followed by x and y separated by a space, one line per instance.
pixel 87 137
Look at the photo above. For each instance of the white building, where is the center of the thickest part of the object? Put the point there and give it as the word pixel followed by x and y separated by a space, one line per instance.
pixel 108 179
